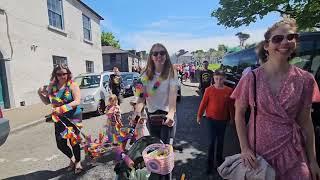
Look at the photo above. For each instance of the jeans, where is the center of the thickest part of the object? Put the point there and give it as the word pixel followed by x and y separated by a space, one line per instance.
pixel 216 131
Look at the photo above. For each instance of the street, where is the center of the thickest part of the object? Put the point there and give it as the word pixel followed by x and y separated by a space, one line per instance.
pixel 32 153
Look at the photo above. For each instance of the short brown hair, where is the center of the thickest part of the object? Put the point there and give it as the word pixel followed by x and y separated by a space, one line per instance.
pixel 219 72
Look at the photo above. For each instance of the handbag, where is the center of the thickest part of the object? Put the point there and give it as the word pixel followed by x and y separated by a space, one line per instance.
pixel 233 167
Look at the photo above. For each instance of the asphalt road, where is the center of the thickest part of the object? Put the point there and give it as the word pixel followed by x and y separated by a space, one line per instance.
pixel 32 153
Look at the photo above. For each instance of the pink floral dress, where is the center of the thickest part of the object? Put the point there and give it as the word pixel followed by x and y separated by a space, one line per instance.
pixel 279 138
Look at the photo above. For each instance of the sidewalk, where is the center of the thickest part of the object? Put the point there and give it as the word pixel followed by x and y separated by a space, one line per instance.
pixel 28 115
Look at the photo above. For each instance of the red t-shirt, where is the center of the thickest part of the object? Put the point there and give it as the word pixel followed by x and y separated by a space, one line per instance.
pixel 217 103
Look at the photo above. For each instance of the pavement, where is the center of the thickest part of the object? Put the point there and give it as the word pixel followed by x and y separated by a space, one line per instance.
pixel 25 116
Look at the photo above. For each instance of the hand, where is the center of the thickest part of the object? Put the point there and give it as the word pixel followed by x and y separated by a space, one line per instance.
pixel 56 110
pixel 141 120
pixel 169 122
pixel 199 120
pixel 43 91
pixel 315 170
pixel 249 159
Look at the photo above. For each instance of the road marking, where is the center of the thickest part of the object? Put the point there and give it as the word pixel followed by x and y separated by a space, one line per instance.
pixel 3 160
pixel 55 156
pixel 29 159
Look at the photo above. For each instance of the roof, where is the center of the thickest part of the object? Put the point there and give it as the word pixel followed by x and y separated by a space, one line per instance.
pixel 187 54
pixel 112 50
pixel 91 10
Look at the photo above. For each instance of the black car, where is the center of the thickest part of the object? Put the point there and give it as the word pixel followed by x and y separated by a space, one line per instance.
pixel 129 80
pixel 308 58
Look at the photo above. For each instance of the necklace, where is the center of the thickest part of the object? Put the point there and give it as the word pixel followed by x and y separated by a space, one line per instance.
pixel 142 86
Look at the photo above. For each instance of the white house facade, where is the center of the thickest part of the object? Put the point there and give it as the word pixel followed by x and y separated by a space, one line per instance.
pixel 35 35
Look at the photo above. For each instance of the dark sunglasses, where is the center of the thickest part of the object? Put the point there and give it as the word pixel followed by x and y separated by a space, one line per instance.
pixel 61 74
pixel 279 38
pixel 155 53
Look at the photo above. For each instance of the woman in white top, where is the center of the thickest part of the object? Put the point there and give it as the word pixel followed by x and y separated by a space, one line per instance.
pixel 158 89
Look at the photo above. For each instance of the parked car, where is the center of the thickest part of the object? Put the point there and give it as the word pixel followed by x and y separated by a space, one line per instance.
pixel 4 128
pixel 129 80
pixel 94 89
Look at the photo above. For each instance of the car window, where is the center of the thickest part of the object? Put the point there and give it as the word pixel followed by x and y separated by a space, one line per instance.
pixel 90 81
pixel 105 78
pixel 304 55
pixel 127 77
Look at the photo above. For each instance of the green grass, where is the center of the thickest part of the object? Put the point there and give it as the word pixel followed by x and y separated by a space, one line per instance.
pixel 214 66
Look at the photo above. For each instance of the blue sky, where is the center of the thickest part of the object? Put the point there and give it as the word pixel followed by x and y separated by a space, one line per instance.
pixel 175 23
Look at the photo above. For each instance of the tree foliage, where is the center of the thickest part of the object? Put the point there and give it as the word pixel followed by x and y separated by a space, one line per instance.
pixel 235 13
pixel 242 38
pixel 108 39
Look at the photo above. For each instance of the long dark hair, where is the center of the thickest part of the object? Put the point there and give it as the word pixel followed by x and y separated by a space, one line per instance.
pixel 168 70
pixel 60 67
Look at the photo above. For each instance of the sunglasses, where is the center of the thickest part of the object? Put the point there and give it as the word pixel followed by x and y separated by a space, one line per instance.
pixel 61 74
pixel 155 53
pixel 279 38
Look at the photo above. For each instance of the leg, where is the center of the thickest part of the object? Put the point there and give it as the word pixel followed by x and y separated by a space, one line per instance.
pixel 154 130
pixel 221 128
pixel 62 143
pixel 212 138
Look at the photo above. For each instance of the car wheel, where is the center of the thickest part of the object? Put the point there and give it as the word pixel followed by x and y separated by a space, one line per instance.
pixel 101 108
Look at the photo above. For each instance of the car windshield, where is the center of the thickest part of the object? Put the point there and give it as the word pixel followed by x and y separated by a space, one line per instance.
pixel 127 77
pixel 90 81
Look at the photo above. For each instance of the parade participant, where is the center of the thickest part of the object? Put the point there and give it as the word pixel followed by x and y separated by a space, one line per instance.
pixel 284 96
pixel 115 83
pixel 218 106
pixel 65 99
pixel 192 72
pixel 113 114
pixel 159 91
pixel 205 77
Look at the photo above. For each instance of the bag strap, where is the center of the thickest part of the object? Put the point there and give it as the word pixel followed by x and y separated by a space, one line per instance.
pixel 255 109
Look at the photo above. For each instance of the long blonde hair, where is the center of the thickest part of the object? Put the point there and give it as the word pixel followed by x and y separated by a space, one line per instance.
pixel 168 70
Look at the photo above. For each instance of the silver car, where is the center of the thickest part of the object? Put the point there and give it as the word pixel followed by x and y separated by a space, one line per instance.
pixel 94 88
pixel 4 128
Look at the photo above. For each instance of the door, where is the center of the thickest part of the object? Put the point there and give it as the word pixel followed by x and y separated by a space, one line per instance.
pixel 2 83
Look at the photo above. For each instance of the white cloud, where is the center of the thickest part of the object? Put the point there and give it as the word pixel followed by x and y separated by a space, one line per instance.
pixel 174 41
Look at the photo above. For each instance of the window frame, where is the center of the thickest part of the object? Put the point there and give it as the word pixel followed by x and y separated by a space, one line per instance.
pixel 60 60
pixel 86 29
pixel 88 68
pixel 55 12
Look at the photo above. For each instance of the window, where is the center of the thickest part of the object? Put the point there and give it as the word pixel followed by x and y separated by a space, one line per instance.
pixel 59 60
pixel 55 13
pixel 86 27
pixel 89 66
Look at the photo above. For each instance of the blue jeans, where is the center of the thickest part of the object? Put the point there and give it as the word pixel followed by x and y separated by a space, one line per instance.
pixel 216 131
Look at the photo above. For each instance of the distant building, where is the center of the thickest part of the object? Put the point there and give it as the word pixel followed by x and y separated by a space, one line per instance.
pixel 185 58
pixel 42 34
pixel 124 60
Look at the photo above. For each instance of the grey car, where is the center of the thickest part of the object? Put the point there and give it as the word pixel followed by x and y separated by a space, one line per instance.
pixel 129 80
pixel 94 89
pixel 4 128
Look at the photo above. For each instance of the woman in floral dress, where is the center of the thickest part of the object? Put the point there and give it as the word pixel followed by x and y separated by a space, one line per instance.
pixel 285 135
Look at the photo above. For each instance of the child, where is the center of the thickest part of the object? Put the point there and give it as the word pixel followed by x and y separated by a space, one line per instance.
pixel 218 106
pixel 140 124
pixel 113 116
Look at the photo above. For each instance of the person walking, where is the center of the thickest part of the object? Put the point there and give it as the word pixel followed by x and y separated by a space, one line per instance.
pixel 205 77
pixel 218 106
pixel 158 89
pixel 64 96
pixel 115 83
pixel 284 130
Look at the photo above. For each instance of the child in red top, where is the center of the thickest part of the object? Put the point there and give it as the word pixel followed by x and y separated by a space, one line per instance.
pixel 218 106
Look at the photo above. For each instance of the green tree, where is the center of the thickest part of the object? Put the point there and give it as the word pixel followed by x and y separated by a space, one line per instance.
pixel 242 38
pixel 222 47
pixel 108 39
pixel 235 13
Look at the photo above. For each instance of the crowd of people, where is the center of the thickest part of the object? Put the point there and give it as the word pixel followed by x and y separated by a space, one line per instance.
pixel 284 94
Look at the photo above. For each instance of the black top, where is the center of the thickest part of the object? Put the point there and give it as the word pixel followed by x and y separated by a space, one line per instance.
pixel 115 83
pixel 205 78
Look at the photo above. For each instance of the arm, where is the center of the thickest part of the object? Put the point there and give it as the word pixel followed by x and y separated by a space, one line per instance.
pixel 203 104
pixel 43 94
pixel 305 122
pixel 76 96
pixel 200 78
pixel 139 106
pixel 172 101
